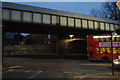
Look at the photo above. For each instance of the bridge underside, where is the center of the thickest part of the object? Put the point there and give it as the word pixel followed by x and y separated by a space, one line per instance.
pixel 62 33
pixel 21 27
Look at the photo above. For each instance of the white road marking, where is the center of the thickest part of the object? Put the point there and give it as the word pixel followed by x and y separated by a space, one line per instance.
pixel 14 67
pixel 34 75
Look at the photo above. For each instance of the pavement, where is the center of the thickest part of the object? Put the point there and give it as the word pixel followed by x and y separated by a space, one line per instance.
pixel 100 76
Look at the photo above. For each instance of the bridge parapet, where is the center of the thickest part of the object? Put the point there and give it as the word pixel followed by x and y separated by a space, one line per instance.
pixel 30 14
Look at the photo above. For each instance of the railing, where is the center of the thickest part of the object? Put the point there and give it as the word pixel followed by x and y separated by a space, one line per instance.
pixel 27 52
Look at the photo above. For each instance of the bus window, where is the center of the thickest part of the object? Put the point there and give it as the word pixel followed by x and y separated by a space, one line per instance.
pixel 117 38
pixel 105 52
pixel 102 39
pixel 96 39
pixel 99 39
pixel 108 50
pixel 107 39
pixel 114 39
pixel 97 51
pixel 114 50
pixel 102 50
pixel 118 50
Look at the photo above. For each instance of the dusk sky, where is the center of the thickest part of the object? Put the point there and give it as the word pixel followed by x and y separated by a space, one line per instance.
pixel 75 7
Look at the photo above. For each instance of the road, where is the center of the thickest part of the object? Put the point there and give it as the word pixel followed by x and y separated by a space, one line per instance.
pixel 28 69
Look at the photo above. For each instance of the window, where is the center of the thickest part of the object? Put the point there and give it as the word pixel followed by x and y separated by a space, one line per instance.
pixel 107 26
pixel 114 50
pixel 117 38
pixel 84 23
pixel 54 20
pixel 102 50
pixel 108 39
pixel 116 26
pixel 112 27
pixel 97 50
pixel 108 50
pixel 118 50
pixel 78 22
pixel 46 19
pixel 102 27
pixel 96 25
pixel 16 15
pixel 96 39
pixel 71 22
pixel 90 24
pixel 6 14
pixel 36 18
pixel 27 16
pixel 63 21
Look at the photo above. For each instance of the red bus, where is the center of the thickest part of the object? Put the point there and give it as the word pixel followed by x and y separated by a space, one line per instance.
pixel 99 47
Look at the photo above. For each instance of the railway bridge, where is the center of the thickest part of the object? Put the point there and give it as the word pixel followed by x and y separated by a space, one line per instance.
pixel 29 19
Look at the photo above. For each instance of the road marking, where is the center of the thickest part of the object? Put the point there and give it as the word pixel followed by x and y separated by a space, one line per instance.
pixel 15 67
pixel 33 75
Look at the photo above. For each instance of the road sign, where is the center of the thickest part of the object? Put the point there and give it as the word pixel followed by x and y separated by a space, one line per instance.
pixel 118 4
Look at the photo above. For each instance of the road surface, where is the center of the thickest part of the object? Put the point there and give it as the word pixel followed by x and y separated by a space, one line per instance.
pixel 28 69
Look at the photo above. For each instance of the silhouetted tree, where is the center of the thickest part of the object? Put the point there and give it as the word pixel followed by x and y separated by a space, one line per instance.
pixel 17 39
pixel 108 10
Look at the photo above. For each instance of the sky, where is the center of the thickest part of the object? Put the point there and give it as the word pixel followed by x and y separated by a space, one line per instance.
pixel 75 7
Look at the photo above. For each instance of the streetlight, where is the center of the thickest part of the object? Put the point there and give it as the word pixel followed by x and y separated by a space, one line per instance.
pixel 112 34
pixel 71 36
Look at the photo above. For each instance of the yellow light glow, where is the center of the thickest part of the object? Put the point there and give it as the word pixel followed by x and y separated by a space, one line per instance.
pixel 118 4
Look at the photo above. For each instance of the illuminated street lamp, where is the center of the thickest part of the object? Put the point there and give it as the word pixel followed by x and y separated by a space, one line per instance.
pixel 71 36
pixel 112 34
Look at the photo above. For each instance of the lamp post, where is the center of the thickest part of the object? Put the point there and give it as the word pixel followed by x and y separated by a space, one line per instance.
pixel 112 34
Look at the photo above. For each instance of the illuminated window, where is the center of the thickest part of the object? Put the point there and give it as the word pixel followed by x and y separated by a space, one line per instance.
pixel 107 26
pixel 96 24
pixel 96 39
pixel 63 21
pixel 84 23
pixel 117 38
pixel 27 16
pixel 97 50
pixel 46 19
pixel 116 26
pixel 112 27
pixel 102 39
pixel 102 27
pixel 71 22
pixel 16 15
pixel 36 18
pixel 6 14
pixel 78 22
pixel 108 50
pixel 90 24
pixel 107 39
pixel 102 50
pixel 114 50
pixel 118 50
pixel 54 19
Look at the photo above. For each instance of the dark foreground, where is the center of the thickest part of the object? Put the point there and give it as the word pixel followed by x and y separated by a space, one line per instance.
pixel 55 69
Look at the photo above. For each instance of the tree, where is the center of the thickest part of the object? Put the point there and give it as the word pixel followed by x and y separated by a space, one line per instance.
pixel 12 38
pixel 34 39
pixel 17 38
pixel 108 10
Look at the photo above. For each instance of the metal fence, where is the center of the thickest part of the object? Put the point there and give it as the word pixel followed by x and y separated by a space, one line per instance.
pixel 28 52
